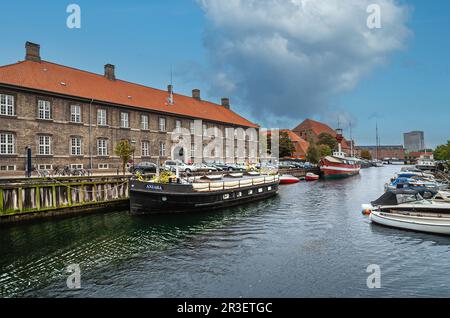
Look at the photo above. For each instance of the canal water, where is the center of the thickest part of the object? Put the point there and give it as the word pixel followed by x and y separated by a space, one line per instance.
pixel 309 241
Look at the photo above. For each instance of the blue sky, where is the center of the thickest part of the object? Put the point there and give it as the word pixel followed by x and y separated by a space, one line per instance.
pixel 411 91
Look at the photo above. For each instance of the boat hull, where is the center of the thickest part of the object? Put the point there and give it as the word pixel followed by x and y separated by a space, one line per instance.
pixel 336 170
pixel 289 180
pixel 180 198
pixel 435 225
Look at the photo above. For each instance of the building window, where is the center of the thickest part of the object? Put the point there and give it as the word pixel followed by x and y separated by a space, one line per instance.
pixel 124 122
pixel 192 150
pixel 44 109
pixel 75 113
pixel 7 144
pixel 75 146
pixel 144 122
pixel 8 168
pixel 45 145
pixel 162 124
pixel 6 105
pixel 192 127
pixel 205 130
pixel 178 126
pixel 76 166
pixel 101 117
pixel 145 149
pixel 47 167
pixel 103 166
pixel 162 149
pixel 102 147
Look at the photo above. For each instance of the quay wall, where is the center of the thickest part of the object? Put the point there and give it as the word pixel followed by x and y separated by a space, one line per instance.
pixel 26 199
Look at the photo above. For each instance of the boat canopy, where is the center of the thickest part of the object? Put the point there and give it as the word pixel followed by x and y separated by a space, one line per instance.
pixel 403 196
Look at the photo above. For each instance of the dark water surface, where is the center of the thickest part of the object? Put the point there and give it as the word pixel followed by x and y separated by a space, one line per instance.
pixel 311 240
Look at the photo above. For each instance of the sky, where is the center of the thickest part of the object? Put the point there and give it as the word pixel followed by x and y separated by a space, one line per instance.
pixel 279 61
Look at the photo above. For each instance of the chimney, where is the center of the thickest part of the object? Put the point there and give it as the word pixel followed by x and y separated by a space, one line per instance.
pixel 196 94
pixel 226 103
pixel 32 52
pixel 170 89
pixel 110 72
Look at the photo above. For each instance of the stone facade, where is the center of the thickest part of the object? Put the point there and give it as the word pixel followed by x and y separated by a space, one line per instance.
pixel 27 128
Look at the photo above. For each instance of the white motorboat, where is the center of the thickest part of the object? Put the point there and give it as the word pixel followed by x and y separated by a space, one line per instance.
pixel 409 210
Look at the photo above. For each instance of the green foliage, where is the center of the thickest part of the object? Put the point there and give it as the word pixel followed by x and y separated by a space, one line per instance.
pixel 286 146
pixel 124 150
pixel 313 154
pixel 324 150
pixel 164 177
pixel 327 139
pixel 442 152
pixel 365 154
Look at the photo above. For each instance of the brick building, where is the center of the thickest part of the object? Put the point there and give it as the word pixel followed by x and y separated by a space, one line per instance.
pixel 310 130
pixel 385 152
pixel 70 117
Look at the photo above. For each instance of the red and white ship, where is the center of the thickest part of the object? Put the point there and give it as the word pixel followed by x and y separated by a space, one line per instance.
pixel 338 165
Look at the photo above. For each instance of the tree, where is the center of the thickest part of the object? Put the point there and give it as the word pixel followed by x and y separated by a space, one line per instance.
pixel 286 146
pixel 365 154
pixel 313 154
pixel 324 150
pixel 327 139
pixel 124 150
pixel 442 152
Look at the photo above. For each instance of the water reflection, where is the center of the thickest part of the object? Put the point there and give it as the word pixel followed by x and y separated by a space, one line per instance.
pixel 310 240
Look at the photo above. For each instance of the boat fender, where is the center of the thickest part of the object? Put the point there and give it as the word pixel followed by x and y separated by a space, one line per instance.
pixel 366 212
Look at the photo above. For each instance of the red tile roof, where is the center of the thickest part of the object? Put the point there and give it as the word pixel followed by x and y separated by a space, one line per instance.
pixel 317 128
pixel 301 145
pixel 47 76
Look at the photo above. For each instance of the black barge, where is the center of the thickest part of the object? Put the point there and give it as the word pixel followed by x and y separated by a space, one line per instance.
pixel 156 198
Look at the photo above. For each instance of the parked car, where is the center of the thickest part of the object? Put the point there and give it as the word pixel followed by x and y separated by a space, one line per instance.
pixel 285 165
pixel 143 168
pixel 172 165
pixel 202 167
pixel 223 166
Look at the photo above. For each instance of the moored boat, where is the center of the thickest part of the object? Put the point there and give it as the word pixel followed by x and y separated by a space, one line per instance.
pixel 288 179
pixel 148 197
pixel 311 177
pixel 409 210
pixel 338 165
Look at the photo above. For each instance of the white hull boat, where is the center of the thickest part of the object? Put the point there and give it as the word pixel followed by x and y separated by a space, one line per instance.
pixel 437 224
pixel 406 209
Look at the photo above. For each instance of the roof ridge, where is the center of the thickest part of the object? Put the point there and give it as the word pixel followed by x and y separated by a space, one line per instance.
pixel 16 63
pixel 121 80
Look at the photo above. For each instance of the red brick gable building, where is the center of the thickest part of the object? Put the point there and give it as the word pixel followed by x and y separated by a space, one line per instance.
pixel 310 130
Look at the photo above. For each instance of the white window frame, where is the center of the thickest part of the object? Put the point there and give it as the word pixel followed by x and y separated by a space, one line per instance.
pixel 101 117
pixel 76 166
pixel 178 126
pixel 102 147
pixel 103 166
pixel 162 124
pixel 205 130
pixel 44 109
pixel 45 166
pixel 124 120
pixel 45 145
pixel 7 105
pixel 144 122
pixel 76 144
pixel 192 127
pixel 8 168
pixel 145 148
pixel 192 150
pixel 7 143
pixel 75 113
pixel 162 149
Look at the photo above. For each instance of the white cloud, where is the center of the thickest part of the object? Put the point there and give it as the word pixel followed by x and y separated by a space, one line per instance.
pixel 288 59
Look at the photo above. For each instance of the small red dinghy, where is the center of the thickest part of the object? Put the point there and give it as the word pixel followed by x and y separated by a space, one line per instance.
pixel 311 177
pixel 286 179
